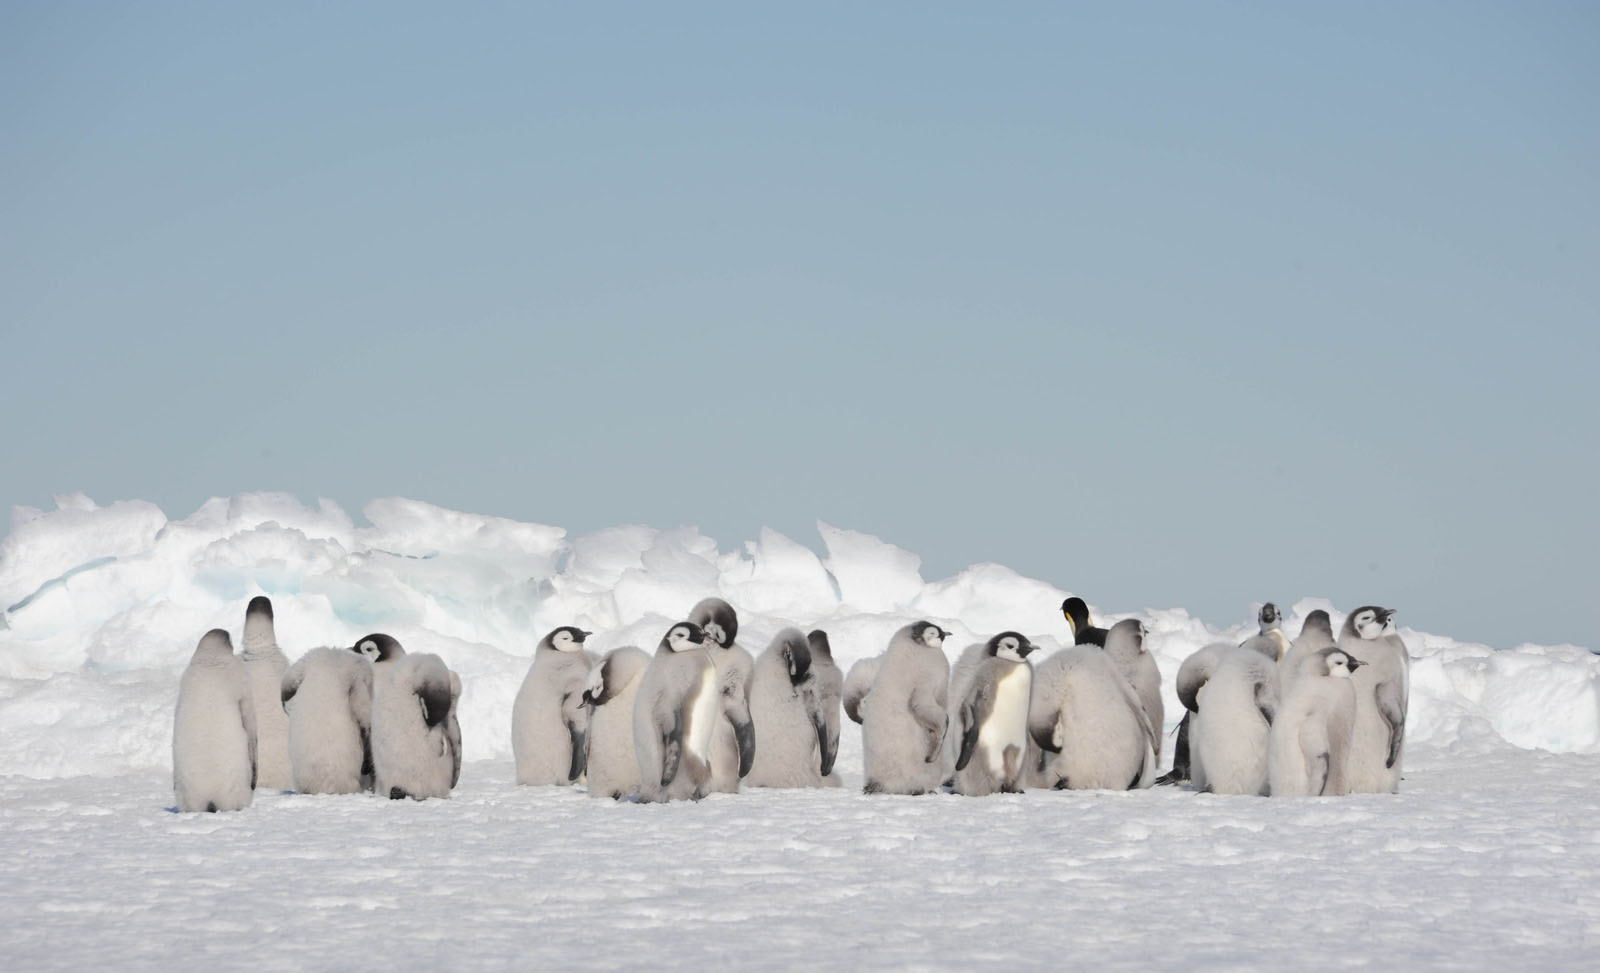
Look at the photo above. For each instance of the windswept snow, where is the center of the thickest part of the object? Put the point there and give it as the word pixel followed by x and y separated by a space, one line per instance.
pixel 1487 858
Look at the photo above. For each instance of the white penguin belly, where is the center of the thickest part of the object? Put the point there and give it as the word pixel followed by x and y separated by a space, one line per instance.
pixel 703 718
pixel 1008 723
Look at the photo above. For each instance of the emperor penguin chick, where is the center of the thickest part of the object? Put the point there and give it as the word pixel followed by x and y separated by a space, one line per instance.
pixel 1383 690
pixel 327 694
pixel 733 742
pixel 1192 676
pixel 1270 642
pixel 1316 634
pixel 548 719
pixel 1237 706
pixel 794 703
pixel 858 683
pixel 214 730
pixel 1310 743
pixel 610 694
pixel 1125 645
pixel 903 717
pixel 961 675
pixel 992 721
pixel 416 738
pixel 265 665
pixel 674 716
pixel 1091 725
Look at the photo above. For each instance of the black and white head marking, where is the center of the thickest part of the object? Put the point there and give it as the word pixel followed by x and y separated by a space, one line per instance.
pixel 567 638
pixel 797 655
pixel 1010 645
pixel 817 639
pixel 379 647
pixel 1269 617
pixel 596 691
pixel 929 634
pixel 1339 664
pixel 718 619
pixel 1371 622
pixel 683 637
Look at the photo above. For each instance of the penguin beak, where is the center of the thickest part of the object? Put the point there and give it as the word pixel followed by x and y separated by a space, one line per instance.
pixel 1354 663
pixel 582 635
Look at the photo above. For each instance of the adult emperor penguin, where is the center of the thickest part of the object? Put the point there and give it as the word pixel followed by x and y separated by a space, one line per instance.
pixel 416 738
pixel 1125 644
pixel 794 703
pixel 992 719
pixel 1270 642
pixel 733 742
pixel 1383 690
pixel 327 694
pixel 674 717
pixel 1237 705
pixel 903 718
pixel 265 665
pixel 1310 743
pixel 1089 722
pixel 1316 634
pixel 610 694
pixel 214 730
pixel 548 719
pixel 1192 675
pixel 1076 611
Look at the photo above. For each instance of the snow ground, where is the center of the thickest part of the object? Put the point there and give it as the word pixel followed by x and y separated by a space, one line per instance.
pixel 1489 857
pixel 1485 860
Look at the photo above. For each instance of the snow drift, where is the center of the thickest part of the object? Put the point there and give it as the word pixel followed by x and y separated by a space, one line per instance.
pixel 104 605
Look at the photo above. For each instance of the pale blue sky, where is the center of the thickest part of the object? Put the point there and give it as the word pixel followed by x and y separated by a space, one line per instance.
pixel 1169 304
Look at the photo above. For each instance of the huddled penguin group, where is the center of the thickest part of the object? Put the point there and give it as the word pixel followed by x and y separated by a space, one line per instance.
pixel 365 718
pixel 1318 716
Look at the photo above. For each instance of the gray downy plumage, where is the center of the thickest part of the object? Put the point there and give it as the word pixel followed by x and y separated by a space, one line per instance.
pixel 327 695
pixel 416 739
pixel 674 717
pixel 1086 717
pixel 214 730
pixel 733 742
pixel 1237 705
pixel 1310 747
pixel 903 716
pixel 857 684
pixel 610 694
pixel 1383 691
pixel 991 724
pixel 548 718
pixel 1192 676
pixel 1316 634
pixel 794 703
pixel 265 664
pixel 1125 645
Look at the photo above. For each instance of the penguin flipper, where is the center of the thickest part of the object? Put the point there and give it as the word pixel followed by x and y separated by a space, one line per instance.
pixel 1267 700
pixel 969 735
pixel 672 750
pixel 744 736
pixel 1321 775
pixel 1393 709
pixel 580 753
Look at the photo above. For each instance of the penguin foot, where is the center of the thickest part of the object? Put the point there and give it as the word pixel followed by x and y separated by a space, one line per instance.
pixel 1172 777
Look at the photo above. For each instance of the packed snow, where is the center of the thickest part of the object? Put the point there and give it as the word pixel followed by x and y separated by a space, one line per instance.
pixel 1487 857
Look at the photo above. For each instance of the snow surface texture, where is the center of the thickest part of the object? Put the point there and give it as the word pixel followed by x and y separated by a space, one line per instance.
pixel 1487 858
